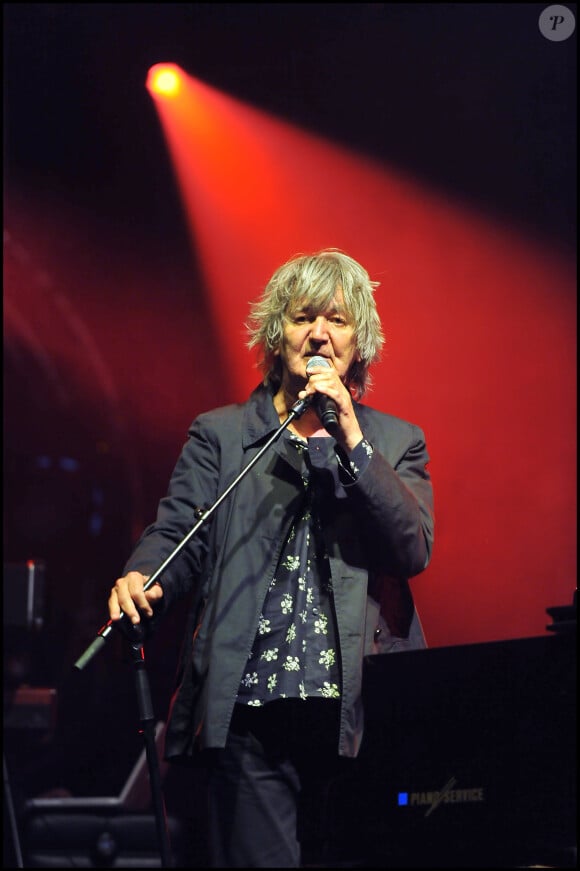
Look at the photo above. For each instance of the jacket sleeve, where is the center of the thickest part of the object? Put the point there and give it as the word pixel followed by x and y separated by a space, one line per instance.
pixel 394 494
pixel 192 486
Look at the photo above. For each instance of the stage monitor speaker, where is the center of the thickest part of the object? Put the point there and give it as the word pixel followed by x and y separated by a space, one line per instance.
pixel 111 831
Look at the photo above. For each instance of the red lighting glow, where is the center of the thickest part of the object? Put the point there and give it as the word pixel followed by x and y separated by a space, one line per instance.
pixel 481 339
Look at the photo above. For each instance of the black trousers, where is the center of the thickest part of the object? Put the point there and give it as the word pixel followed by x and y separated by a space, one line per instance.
pixel 267 789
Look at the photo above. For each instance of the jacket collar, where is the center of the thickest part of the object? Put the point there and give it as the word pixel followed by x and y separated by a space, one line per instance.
pixel 261 419
pixel 260 416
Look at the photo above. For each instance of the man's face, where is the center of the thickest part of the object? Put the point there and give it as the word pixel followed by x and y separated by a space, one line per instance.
pixel 327 333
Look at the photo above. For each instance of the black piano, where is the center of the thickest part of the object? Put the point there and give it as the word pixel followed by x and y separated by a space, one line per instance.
pixel 468 760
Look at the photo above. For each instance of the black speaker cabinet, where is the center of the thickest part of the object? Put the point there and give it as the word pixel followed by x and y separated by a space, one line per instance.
pixel 115 831
pixel 81 839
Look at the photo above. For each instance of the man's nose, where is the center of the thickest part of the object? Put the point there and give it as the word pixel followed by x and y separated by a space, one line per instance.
pixel 319 330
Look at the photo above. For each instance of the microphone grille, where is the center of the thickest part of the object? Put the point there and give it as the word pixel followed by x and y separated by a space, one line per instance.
pixel 317 361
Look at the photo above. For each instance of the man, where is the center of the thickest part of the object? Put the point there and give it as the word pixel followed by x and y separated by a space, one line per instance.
pixel 300 572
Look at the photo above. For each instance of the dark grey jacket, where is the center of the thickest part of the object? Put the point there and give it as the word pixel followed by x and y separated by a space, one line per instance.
pixel 378 532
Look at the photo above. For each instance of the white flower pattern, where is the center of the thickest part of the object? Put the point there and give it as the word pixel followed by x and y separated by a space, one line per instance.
pixel 298 612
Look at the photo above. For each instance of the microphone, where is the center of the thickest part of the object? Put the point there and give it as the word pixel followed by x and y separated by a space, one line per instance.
pixel 324 405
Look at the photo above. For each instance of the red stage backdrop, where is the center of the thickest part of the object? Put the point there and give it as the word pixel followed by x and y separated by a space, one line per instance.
pixel 481 347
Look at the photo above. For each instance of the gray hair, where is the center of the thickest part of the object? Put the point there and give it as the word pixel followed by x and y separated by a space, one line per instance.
pixel 316 277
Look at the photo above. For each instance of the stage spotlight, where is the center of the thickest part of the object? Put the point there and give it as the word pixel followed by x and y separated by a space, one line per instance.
pixel 164 80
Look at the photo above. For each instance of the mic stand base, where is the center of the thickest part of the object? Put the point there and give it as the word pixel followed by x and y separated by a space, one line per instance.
pixel 135 634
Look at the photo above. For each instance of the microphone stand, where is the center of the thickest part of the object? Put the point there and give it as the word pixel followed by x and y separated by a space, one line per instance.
pixel 135 634
pixel 147 718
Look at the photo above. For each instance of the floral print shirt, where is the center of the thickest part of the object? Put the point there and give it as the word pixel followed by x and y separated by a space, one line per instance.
pixel 295 653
